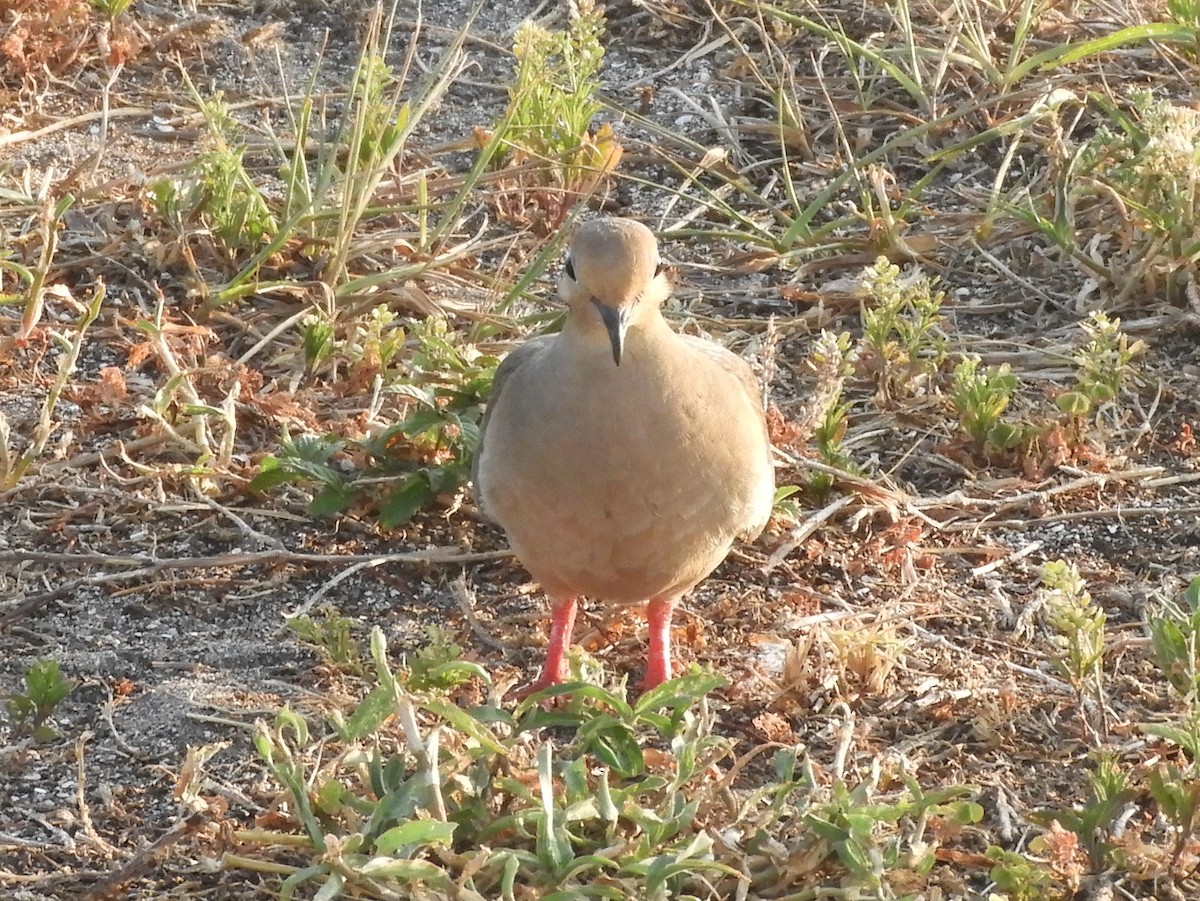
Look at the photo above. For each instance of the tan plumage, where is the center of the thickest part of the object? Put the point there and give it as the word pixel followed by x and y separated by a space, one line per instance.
pixel 622 481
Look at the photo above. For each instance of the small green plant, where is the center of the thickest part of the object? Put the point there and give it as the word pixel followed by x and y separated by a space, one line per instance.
pixel 31 293
pixel 1142 173
pixel 407 465
pixel 332 169
pixel 1103 366
pixel 369 348
pixel 785 504
pixel 1176 789
pixel 980 399
pixel 112 9
pixel 850 823
pixel 552 102
pixel 901 317
pixel 45 688
pixel 14 466
pixel 1022 879
pixel 206 432
pixel 1187 13
pixel 437 665
pixel 1079 624
pixel 330 634
pixel 1094 820
pixel 216 191
pixel 1175 641
pixel 832 360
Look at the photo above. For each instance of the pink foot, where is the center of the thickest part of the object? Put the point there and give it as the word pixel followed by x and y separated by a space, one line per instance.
pixel 554 670
pixel 658 658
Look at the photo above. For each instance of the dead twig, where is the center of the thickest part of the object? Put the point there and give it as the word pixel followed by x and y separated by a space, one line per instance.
pixel 141 566
pixel 466 603
pixel 85 814
pixel 140 863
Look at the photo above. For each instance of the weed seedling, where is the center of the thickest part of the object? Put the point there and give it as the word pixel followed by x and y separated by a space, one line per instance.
pixel 112 9
pixel 409 464
pixel 901 318
pixel 45 687
pixel 1176 789
pixel 1019 878
pixel 1094 820
pixel 330 635
pixel 70 346
pixel 832 360
pixel 547 129
pixel 1142 170
pixel 217 192
pixel 1079 624
pixel 1103 366
pixel 1175 641
pixel 417 787
pixel 980 399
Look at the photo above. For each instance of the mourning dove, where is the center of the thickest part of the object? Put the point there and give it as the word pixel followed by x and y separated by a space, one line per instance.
pixel 620 458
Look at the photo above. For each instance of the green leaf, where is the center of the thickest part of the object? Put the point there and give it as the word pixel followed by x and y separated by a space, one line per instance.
pixel 331 499
pixel 463 722
pixel 401 505
pixel 1163 32
pixel 681 692
pixel 415 832
pixel 1073 403
pixel 371 712
pixel 783 492
pixel 405 870
pixel 576 690
pixel 615 745
pixel 288 889
pixel 456 672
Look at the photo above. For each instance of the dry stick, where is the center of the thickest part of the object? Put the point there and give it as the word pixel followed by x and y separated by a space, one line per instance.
pixel 149 566
pixel 131 112
pixel 46 879
pixel 18 137
pixel 1080 516
pixel 800 533
pixel 85 814
pixel 466 603
pixel 438 555
pixel 141 862
pixel 959 500
pixel 1045 678
pixel 259 538
pixel 1008 273
pixel 123 746
pixel 1008 558
pixel 316 596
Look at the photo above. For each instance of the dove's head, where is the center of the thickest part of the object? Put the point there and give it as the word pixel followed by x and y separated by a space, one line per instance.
pixel 613 279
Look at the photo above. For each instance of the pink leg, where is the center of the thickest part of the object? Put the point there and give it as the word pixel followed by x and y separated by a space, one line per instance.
pixel 658 659
pixel 555 668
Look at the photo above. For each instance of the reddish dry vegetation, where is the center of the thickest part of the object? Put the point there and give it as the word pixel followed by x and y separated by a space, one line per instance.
pixel 58 37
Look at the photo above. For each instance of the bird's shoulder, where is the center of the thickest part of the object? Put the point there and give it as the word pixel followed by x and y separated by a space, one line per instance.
pixel 728 361
pixel 517 358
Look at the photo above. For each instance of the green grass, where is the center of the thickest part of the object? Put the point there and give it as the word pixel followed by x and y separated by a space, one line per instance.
pixel 599 796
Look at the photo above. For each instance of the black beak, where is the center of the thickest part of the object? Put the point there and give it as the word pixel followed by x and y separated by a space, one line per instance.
pixel 616 322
